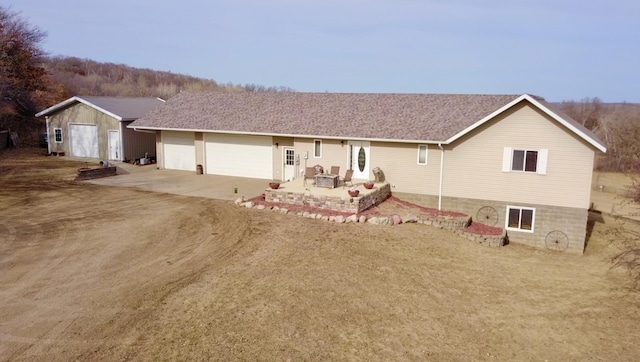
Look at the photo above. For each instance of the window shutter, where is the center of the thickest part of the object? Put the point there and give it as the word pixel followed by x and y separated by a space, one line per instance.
pixel 506 159
pixel 543 154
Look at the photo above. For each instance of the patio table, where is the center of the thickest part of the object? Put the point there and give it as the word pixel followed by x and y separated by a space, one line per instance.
pixel 326 180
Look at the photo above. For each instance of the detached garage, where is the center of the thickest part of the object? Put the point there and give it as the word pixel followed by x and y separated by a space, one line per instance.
pixel 96 127
pixel 239 155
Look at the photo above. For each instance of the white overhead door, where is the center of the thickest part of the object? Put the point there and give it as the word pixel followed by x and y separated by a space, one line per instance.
pixel 239 155
pixel 179 150
pixel 83 140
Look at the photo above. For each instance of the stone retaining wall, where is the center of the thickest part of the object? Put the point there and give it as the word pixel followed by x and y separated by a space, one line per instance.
pixel 455 224
pixel 343 203
pixel 91 173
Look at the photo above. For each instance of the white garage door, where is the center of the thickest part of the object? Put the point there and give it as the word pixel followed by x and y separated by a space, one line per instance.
pixel 84 140
pixel 239 155
pixel 179 150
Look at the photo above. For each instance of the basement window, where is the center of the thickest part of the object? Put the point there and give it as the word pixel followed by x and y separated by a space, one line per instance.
pixel 520 218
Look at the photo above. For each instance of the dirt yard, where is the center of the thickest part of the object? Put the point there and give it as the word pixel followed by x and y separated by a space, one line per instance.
pixel 89 272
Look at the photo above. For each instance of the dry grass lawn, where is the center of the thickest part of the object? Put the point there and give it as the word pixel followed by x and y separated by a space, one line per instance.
pixel 89 272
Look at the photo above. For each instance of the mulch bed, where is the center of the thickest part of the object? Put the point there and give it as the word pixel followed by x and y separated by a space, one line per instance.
pixel 482 229
pixel 391 206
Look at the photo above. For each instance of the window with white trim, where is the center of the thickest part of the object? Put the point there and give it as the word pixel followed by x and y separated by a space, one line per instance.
pixel 422 154
pixel 520 218
pixel 525 160
pixel 317 148
pixel 57 135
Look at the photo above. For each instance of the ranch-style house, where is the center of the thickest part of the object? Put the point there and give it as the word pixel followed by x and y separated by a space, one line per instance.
pixel 511 160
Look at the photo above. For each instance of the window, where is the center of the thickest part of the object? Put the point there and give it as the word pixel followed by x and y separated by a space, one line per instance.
pixel 317 148
pixel 57 134
pixel 523 160
pixel 520 218
pixel 422 154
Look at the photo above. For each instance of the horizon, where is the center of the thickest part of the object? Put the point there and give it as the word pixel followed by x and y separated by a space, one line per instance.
pixel 547 49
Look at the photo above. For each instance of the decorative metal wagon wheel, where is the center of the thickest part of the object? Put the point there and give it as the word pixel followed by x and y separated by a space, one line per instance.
pixel 487 215
pixel 557 240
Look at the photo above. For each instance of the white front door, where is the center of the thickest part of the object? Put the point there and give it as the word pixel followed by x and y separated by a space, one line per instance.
pixel 114 145
pixel 359 159
pixel 289 168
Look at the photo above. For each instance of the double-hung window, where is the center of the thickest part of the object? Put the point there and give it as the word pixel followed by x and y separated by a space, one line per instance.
pixel 317 148
pixel 525 160
pixel 57 135
pixel 520 218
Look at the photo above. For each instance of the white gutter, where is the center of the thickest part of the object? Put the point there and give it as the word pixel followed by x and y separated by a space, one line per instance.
pixel 143 130
pixel 345 138
pixel 46 119
pixel 441 172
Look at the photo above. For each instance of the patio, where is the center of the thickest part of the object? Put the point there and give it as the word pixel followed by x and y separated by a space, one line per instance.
pixel 299 192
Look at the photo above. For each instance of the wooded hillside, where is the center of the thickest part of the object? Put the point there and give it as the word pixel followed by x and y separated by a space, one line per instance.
pixel 87 77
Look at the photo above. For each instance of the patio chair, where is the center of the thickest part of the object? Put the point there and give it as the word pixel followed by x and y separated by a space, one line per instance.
pixel 335 170
pixel 347 178
pixel 309 173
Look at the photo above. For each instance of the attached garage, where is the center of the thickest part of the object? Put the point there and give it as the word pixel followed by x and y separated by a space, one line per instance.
pixel 83 140
pixel 179 150
pixel 239 155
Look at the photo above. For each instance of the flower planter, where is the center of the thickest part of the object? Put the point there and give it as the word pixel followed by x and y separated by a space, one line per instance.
pixel 274 185
pixel 353 193
pixel 368 185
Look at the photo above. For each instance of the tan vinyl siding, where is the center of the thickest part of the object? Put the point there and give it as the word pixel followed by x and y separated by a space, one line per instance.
pixel 399 163
pixel 135 144
pixel 473 165
pixel 81 114
pixel 334 153
pixel 159 148
pixel 199 147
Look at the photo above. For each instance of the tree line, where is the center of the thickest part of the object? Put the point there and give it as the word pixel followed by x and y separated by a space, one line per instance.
pixel 31 81
pixel 617 125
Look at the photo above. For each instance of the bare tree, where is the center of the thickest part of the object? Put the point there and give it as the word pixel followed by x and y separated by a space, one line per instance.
pixel 586 111
pixel 20 71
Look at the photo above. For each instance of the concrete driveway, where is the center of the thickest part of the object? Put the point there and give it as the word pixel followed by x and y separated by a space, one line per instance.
pixel 186 183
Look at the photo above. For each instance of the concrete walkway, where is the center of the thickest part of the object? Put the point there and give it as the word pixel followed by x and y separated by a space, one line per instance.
pixel 185 183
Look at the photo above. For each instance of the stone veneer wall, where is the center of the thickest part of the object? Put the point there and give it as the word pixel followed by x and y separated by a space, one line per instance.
pixel 343 203
pixel 571 221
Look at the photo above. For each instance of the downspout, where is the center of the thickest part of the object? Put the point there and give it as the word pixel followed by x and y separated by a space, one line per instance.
pixel 46 119
pixel 441 173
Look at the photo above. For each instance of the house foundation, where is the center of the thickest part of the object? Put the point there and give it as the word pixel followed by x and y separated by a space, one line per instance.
pixel 551 223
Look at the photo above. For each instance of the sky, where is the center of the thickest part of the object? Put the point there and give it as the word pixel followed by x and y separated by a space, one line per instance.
pixel 558 49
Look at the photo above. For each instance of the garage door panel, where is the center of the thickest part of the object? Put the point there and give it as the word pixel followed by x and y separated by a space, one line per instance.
pixel 84 140
pixel 239 155
pixel 179 151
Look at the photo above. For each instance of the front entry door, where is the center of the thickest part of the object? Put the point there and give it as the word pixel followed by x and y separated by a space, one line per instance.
pixel 114 145
pixel 289 168
pixel 359 159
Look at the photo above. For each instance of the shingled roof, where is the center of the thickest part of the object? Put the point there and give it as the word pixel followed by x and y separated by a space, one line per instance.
pixel 120 108
pixel 371 116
